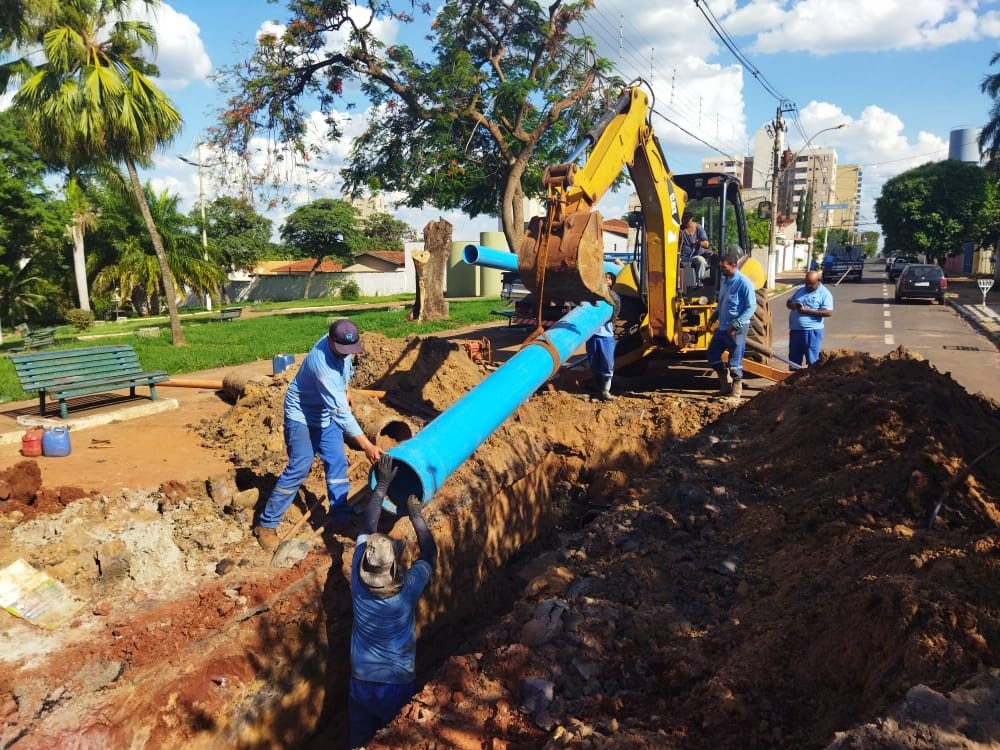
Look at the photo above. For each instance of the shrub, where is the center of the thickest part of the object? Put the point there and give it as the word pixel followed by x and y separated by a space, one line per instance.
pixel 350 290
pixel 81 320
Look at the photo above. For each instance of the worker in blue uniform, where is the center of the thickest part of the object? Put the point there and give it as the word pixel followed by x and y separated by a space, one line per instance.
pixel 384 596
pixel 737 302
pixel 809 306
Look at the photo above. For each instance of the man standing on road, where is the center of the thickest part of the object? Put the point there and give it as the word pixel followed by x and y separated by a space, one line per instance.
pixel 384 597
pixel 809 305
pixel 737 302
pixel 318 419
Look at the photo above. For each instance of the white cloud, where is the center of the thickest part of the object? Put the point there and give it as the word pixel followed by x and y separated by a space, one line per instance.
pixel 822 27
pixel 181 55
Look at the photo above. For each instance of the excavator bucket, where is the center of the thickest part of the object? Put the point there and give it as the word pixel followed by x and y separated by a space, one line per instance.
pixel 565 264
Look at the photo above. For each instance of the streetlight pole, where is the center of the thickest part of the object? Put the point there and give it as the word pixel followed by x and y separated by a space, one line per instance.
pixel 779 127
pixel 204 220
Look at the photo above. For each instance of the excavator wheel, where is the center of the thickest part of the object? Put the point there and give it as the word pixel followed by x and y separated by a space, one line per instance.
pixel 627 343
pixel 760 327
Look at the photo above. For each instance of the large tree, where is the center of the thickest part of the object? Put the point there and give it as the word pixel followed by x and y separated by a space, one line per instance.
pixel 91 99
pixel 934 208
pixel 325 228
pixel 237 234
pixel 505 91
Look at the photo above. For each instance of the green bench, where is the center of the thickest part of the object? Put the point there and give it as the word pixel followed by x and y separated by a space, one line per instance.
pixel 38 338
pixel 230 313
pixel 77 372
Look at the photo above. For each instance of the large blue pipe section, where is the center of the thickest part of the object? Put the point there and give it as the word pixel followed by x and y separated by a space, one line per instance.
pixel 427 459
pixel 477 255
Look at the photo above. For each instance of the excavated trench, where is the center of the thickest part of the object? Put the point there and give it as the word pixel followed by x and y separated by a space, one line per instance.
pixel 257 656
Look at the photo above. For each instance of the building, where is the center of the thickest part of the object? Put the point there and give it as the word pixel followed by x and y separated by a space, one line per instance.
pixel 728 165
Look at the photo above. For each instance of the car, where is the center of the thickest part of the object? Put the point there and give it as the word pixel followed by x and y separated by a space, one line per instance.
pixel 921 281
pixel 888 262
pixel 898 263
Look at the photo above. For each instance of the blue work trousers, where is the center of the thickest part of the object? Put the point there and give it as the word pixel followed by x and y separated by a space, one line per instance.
pixel 304 443
pixel 804 345
pixel 601 356
pixel 724 340
pixel 372 705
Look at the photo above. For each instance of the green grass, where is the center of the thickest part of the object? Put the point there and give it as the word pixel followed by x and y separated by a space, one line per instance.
pixel 212 344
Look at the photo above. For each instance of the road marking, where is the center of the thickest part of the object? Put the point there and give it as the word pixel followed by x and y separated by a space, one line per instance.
pixel 889 340
pixel 887 313
pixel 887 323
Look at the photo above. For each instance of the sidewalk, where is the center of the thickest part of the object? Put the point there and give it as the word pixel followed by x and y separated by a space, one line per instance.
pixel 966 298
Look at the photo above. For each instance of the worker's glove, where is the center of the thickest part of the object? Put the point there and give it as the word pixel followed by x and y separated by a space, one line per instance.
pixel 736 325
pixel 414 505
pixel 385 472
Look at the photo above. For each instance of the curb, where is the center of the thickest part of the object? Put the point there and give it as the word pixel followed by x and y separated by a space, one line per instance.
pixel 95 420
pixel 984 320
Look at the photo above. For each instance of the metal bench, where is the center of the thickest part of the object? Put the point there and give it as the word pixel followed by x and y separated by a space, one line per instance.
pixel 230 313
pixel 38 338
pixel 76 372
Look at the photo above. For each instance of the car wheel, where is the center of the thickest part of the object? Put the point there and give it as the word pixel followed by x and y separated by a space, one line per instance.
pixel 899 300
pixel 939 300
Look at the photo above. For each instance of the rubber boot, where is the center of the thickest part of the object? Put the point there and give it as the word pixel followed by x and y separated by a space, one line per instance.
pixel 737 389
pixel 604 390
pixel 725 388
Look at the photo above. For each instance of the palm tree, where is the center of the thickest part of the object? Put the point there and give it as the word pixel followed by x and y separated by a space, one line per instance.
pixel 989 139
pixel 83 218
pixel 91 100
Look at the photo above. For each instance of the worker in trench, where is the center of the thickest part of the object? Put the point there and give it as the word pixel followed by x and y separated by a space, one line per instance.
pixel 318 419
pixel 384 597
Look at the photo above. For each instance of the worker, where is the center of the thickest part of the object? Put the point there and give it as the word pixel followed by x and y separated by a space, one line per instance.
pixel 384 597
pixel 317 420
pixel 809 305
pixel 737 302
pixel 694 246
pixel 601 347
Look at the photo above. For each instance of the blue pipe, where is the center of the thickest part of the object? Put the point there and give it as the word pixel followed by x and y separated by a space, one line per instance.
pixel 427 459
pixel 478 255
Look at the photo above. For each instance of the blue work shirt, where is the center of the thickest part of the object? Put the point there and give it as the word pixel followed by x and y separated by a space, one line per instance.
pixel 737 302
pixel 817 299
pixel 318 394
pixel 691 244
pixel 383 639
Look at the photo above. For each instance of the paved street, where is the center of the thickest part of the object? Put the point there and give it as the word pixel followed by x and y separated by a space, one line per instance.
pixel 957 338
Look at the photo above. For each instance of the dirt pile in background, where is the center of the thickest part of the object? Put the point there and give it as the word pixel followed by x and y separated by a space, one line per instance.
pixel 769 583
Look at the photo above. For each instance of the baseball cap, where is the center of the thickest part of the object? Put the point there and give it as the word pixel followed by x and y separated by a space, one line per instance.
pixel 344 337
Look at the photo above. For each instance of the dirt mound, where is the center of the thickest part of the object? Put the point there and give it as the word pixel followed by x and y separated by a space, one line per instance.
pixel 768 584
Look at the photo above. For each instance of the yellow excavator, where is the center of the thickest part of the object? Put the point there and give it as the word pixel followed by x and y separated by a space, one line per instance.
pixel 664 308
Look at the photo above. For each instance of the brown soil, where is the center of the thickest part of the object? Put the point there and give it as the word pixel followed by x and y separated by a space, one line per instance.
pixel 657 572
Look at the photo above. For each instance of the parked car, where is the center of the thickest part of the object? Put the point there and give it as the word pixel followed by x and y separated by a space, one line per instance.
pixel 898 264
pixel 921 281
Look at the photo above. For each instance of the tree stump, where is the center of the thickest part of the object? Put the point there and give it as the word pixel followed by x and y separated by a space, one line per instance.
pixel 430 265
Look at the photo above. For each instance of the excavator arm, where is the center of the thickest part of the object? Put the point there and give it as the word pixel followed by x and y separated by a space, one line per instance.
pixel 562 255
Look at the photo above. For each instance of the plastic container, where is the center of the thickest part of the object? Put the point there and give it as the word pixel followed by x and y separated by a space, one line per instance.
pixel 55 441
pixel 282 362
pixel 31 442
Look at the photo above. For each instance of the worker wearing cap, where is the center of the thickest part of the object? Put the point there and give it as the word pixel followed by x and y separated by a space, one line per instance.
pixel 318 419
pixel 384 597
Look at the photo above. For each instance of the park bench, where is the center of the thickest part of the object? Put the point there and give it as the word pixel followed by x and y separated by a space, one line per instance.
pixel 76 372
pixel 230 313
pixel 36 339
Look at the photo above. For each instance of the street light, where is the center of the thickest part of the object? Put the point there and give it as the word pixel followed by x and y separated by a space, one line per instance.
pixel 201 202
pixel 776 175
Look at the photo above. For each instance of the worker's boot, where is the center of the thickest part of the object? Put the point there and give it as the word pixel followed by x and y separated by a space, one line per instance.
pixel 604 390
pixel 267 538
pixel 725 388
pixel 737 389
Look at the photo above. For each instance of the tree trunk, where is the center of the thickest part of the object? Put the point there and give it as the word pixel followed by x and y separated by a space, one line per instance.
pixel 312 275
pixel 512 207
pixel 79 264
pixel 169 291
pixel 430 264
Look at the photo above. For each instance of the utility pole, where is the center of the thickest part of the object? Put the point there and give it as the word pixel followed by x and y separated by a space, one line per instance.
pixel 776 128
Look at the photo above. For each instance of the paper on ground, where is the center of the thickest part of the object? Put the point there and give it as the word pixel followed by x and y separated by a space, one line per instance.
pixel 35 596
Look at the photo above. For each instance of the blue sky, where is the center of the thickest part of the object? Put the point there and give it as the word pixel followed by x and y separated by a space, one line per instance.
pixel 901 73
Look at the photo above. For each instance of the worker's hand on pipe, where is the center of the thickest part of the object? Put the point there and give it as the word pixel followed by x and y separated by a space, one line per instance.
pixel 373 452
pixel 385 472
pixel 413 505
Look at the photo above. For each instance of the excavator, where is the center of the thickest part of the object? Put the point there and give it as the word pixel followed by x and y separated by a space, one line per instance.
pixel 664 309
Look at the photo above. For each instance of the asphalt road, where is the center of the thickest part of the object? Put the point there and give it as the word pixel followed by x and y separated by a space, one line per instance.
pixel 866 319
